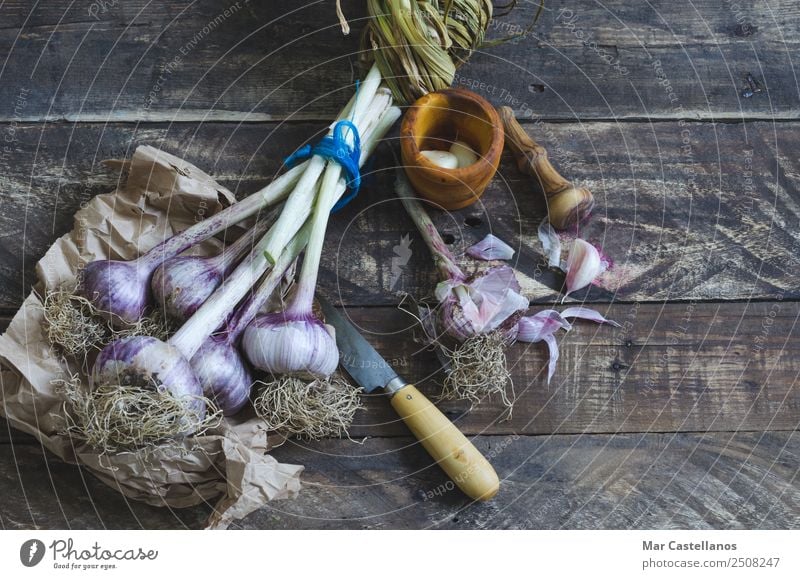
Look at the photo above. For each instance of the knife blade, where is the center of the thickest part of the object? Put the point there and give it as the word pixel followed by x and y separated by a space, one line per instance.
pixel 356 355
pixel 451 450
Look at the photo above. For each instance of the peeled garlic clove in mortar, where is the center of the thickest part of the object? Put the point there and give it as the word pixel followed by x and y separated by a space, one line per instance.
pixel 465 155
pixel 442 159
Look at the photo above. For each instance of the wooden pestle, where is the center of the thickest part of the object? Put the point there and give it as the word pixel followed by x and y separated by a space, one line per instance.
pixel 566 204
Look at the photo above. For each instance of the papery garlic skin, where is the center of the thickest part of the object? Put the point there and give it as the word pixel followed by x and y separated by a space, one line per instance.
pixel 542 327
pixel 588 314
pixel 488 302
pixel 490 248
pixel 551 244
pixel 545 323
pixel 302 346
pixel 583 265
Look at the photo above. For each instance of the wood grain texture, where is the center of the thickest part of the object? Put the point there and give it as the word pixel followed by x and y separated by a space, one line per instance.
pixel 686 417
pixel 684 367
pixel 715 218
pixel 650 481
pixel 189 61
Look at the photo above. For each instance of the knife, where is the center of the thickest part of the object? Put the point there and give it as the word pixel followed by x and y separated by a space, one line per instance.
pixel 451 450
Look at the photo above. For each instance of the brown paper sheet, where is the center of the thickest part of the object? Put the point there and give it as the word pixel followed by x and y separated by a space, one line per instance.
pixel 163 194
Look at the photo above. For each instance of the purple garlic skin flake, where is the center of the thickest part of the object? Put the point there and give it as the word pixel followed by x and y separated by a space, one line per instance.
pixel 491 248
pixel 182 284
pixel 489 301
pixel 148 362
pixel 117 288
pixel 223 375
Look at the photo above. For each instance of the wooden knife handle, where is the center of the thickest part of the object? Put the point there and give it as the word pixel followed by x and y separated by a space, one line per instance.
pixel 566 204
pixel 452 451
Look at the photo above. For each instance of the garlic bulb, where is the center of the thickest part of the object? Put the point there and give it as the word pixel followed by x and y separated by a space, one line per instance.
pixel 486 302
pixel 297 346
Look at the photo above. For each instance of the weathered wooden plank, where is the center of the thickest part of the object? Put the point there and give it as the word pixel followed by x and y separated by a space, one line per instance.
pixel 687 367
pixel 685 481
pixel 715 218
pixel 239 60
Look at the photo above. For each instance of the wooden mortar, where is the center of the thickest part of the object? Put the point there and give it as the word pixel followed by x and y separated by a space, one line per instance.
pixel 434 122
pixel 567 205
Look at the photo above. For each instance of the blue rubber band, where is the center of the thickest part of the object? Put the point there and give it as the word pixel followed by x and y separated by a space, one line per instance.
pixel 336 148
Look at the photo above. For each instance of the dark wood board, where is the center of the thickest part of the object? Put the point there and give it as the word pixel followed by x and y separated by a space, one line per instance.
pixel 686 417
pixel 270 61
pixel 637 481
pixel 720 223
pixel 688 367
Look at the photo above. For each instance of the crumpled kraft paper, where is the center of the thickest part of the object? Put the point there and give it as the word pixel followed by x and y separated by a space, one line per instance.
pixel 163 194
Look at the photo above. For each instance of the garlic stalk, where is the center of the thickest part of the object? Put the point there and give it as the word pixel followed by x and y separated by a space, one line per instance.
pixel 245 276
pixel 295 342
pixel 121 289
pixel 366 109
pixel 140 360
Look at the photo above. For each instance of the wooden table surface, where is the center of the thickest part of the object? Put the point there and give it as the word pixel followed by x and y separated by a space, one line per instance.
pixel 682 117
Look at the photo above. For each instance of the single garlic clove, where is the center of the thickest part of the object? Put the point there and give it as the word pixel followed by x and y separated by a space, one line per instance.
pixel 464 153
pixel 583 265
pixel 442 159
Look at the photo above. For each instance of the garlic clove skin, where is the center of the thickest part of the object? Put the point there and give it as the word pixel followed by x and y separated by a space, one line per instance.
pixel 301 347
pixel 223 375
pixel 118 289
pixel 583 265
pixel 464 154
pixel 442 159
pixel 182 284
pixel 490 248
pixel 146 362
pixel 545 323
pixel 583 313
pixel 551 244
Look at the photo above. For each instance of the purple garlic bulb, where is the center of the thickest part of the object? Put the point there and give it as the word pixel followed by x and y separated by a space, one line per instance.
pixel 118 289
pixel 223 374
pixel 487 302
pixel 148 362
pixel 182 284
pixel 284 344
